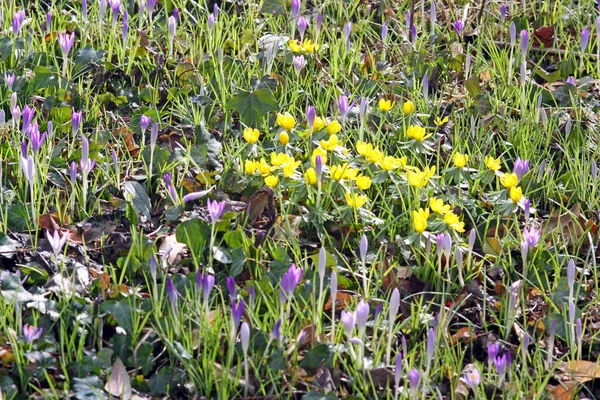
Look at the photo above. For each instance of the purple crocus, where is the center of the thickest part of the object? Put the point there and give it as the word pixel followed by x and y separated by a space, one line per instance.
pixel 171 293
pixel 458 25
pixel 299 63
pixel 398 370
pixel 302 25
pixel 524 42
pixel 115 5
pixel 115 160
pixel 361 314
pixel 49 128
pixel 276 334
pixel 500 362
pixel 363 247
pixel 296 5
pixel 362 109
pixel 176 14
pixel 252 295
pixel 289 282
pixel 145 123
pixel 150 6
pixel 230 282
pixel 66 42
pixel 153 135
pixel 521 167
pixel 84 10
pixel 215 210
pixel 319 167
pixel 526 208
pixel 125 30
pixel 318 24
pixel 31 333
pixel 503 9
pixel 571 273
pixel 413 382
pixel 57 241
pixel 473 377
pixel 172 27
pixel 153 266
pixel 28 167
pixel 493 349
pixel 348 321
pixel 48 21
pixel 343 106
pixel 347 32
pixel 35 137
pixel 584 40
pixel 101 9
pixel 216 10
pixel 28 113
pixel 208 282
pixel 571 80
pixel 17 22
pixel 194 196
pixel 9 79
pixel 311 114
pixel 76 118
pixel 210 21
pixel 384 31
pixel 73 172
pixel 86 164
pixel 531 236
pixel 512 33
pixel 430 345
pixel 172 192
pixel 237 311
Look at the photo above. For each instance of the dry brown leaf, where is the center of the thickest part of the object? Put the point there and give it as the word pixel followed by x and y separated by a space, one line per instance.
pixel 463 335
pixel 580 370
pixel 49 222
pixel 119 384
pixel 341 300
pixel 564 390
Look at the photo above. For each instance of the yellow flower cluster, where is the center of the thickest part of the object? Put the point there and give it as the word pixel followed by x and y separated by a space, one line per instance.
pixel 307 46
pixel 419 178
pixel 444 211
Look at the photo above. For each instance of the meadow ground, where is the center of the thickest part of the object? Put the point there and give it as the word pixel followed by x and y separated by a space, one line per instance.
pixel 308 200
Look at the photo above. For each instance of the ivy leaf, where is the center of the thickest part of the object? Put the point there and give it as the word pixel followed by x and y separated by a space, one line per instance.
pixel 121 312
pixel 140 199
pixel 253 106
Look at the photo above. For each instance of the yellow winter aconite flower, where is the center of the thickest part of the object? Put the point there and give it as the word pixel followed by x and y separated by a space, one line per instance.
pixel 309 47
pixel 408 107
pixel 401 162
pixel 355 200
pixel 330 143
pixel 319 124
pixel 460 160
pixel 438 206
pixel 439 121
pixel 271 180
pixel 289 167
pixel 388 163
pixel 363 182
pixel 310 176
pixel 334 127
pixel 429 172
pixel 284 138
pixel 319 152
pixel 417 133
pixel 278 159
pixel 251 135
pixel 509 180
pixel 385 105
pixel 286 121
pixel 263 167
pixel 364 148
pixel 453 221
pixel 420 219
pixel 344 171
pixel 295 46
pixel 492 163
pixel 516 193
pixel 250 166
pixel 420 178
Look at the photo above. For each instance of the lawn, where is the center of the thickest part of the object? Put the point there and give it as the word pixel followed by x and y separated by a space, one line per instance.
pixel 309 200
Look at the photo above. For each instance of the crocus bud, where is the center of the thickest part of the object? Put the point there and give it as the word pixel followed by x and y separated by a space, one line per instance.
pixel 572 311
pixel 252 295
pixel 347 32
pixel 231 288
pixel 394 306
pixel 299 63
pixel 364 103
pixel 171 28
pixel 319 167
pixel 150 6
pixel 430 345
pixel 527 208
pixel 302 25
pixel 447 245
pixel 210 22
pixel 276 334
pixel 333 288
pixel 216 10
pixel 311 114
pixel 364 246
pixel 153 135
pixel 343 106
pixel 348 323
pixel 84 10
pixel 521 167
pixel 9 79
pixel 76 118
pixel 594 169
pixel 425 84
pixel 503 11
pixel 398 370
pixel 48 22
pixel 585 38
pixel 512 33
pixel 245 337
pixel 209 282
pixel 101 9
pixel 73 172
pixel 322 263
pixel 524 42
pixel 125 30
pixel 413 381
pixel 237 310
pixel 296 5
pixel 361 314
pixel 384 31
pixel 171 293
pixel 571 273
pixel 28 113
pixel 458 26
pixel 153 267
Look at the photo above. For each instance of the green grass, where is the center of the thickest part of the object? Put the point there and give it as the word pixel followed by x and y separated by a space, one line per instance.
pixel 121 307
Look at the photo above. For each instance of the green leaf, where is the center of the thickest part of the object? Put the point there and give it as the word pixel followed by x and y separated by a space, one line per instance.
pixel 87 56
pixel 204 139
pixel 145 359
pixel 140 199
pixel 274 7
pixel 44 79
pixel 222 255
pixel 234 239
pixel 237 263
pixel 121 312
pixel 316 356
pixel 253 106
pixel 6 47
pixel 472 86
pixel 194 233
pixel 8 246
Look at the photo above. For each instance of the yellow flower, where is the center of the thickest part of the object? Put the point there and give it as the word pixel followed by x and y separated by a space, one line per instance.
pixel 401 162
pixel 319 124
pixel 309 47
pixel 289 168
pixel 286 121
pixel 250 166
pixel 319 152
pixel 385 105
pixel 329 144
pixel 420 219
pixel 310 176
pixel 460 160
pixel 263 167
pixel 278 159
pixel 438 206
pixel 355 200
pixel 284 138
pixel 419 178
pixel 509 180
pixel 439 121
pixel 516 193
pixel 339 172
pixel 295 46
pixel 363 182
pixel 408 107
pixel 364 148
pixel 387 163
pixel 417 133
pixel 271 180
pixel 334 127
pixel 453 221
pixel 251 135
pixel 492 163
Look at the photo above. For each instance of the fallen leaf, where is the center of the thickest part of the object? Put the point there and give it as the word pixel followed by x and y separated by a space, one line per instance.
pixel 580 370
pixel 119 384
pixel 464 335
pixel 341 300
pixel 563 391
